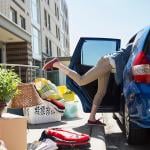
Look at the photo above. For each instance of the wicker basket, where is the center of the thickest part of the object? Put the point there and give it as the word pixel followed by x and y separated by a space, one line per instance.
pixel 27 96
pixel 43 113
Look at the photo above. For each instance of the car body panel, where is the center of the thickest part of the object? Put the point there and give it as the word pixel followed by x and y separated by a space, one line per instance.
pixel 137 95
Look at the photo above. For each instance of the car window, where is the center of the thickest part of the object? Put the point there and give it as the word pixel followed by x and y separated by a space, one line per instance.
pixel 92 50
pixel 132 39
pixel 147 45
pixel 139 40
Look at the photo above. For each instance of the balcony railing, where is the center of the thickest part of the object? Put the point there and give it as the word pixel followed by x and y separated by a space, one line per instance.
pixel 26 72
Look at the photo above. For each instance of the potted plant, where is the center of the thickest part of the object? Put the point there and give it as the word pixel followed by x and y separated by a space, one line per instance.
pixel 9 81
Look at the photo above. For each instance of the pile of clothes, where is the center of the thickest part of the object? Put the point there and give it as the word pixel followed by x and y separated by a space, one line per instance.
pixel 46 144
pixel 2 145
pixel 58 138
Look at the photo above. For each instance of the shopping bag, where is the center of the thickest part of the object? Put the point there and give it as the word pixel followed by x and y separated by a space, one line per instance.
pixel 46 88
pixel 43 113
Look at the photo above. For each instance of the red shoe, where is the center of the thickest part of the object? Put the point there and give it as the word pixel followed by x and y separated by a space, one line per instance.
pixel 96 122
pixel 49 64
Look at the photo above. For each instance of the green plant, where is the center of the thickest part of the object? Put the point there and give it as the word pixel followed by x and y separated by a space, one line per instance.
pixel 9 81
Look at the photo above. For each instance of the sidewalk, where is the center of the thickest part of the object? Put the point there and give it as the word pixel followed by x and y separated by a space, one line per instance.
pixel 78 124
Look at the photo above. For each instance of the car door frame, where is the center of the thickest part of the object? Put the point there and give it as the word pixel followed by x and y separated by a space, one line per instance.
pixel 75 63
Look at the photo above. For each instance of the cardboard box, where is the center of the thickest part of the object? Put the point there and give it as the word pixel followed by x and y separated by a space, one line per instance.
pixel 13 131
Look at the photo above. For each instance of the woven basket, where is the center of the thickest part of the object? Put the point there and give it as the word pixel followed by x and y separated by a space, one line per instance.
pixel 27 96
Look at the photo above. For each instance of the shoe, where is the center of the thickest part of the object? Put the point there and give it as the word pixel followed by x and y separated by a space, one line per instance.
pixel 96 122
pixel 49 64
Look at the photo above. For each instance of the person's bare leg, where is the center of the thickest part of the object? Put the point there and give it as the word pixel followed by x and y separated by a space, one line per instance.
pixel 101 91
pixel 101 72
pixel 103 66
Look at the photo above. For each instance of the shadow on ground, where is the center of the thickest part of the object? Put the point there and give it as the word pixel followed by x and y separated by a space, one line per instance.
pixel 117 141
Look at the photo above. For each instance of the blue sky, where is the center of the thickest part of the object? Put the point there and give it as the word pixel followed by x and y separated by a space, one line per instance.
pixel 106 18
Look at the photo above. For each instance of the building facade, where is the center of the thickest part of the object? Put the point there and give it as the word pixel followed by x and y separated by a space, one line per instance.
pixel 49 37
pixel 33 30
pixel 15 29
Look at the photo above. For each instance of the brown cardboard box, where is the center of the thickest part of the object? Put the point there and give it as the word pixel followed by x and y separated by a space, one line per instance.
pixel 13 131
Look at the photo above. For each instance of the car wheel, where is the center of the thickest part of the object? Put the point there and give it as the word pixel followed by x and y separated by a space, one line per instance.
pixel 134 136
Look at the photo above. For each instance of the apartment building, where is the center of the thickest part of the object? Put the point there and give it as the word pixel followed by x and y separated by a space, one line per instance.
pixel 53 32
pixel 33 30
pixel 64 33
pixel 40 24
pixel 50 33
pixel 15 29
pixel 36 31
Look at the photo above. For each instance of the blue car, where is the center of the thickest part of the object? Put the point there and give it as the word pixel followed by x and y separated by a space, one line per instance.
pixel 130 101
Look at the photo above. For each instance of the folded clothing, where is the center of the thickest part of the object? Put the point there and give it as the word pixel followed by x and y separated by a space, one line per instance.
pixel 46 144
pixel 2 145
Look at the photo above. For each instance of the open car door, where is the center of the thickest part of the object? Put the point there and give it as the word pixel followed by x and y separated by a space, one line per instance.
pixel 87 52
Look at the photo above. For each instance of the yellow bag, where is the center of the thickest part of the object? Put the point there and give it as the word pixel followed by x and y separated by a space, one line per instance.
pixel 46 89
pixel 66 93
pixel 62 89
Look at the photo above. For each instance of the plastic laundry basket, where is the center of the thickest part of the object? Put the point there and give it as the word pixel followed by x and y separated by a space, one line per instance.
pixel 42 113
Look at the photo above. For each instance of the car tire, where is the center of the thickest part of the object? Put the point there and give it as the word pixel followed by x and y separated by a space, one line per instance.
pixel 134 136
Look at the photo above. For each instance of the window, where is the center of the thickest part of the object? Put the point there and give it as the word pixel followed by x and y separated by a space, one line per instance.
pixel 36 43
pixel 46 44
pixel 49 22
pixel 50 48
pixel 67 44
pixel 92 50
pixel 139 41
pixel 67 30
pixel 45 17
pixel 58 51
pixel 35 12
pixel 13 15
pixel 56 11
pixel 147 46
pixel 23 23
pixel 57 33
pixel 48 2
pixel 64 43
